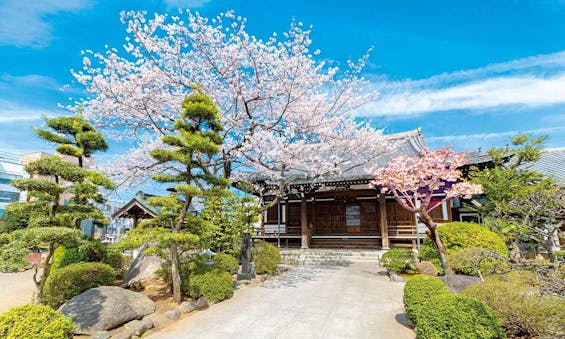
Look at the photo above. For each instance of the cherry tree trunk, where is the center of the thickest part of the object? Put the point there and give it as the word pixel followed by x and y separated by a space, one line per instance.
pixel 435 238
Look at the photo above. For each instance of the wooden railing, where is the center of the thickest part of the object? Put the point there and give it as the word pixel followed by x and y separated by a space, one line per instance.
pixel 402 231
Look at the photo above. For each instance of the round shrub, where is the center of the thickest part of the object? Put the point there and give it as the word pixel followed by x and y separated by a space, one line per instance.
pixel 215 286
pixel 458 236
pixel 114 258
pixel 35 322
pixel 515 298
pixel 470 260
pixel 225 262
pixel 418 291
pixel 457 316
pixel 267 257
pixel 399 260
pixel 65 256
pixel 72 280
pixel 88 251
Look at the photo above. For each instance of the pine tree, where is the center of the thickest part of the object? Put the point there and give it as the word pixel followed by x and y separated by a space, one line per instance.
pixel 190 153
pixel 60 194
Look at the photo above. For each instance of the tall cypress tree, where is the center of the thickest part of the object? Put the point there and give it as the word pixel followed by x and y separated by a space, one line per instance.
pixel 190 153
pixel 60 194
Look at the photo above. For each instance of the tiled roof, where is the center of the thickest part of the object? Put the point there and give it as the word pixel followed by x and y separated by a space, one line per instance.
pixel 552 164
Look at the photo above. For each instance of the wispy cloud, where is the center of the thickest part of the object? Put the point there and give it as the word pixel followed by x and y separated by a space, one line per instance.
pixel 529 82
pixel 186 3
pixel 25 23
pixel 12 112
pixel 494 135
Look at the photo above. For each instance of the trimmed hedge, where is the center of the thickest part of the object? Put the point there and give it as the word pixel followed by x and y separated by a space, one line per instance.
pixel 215 286
pixel 457 316
pixel 399 260
pixel 515 298
pixel 88 251
pixel 72 280
pixel 225 262
pixel 35 322
pixel 462 236
pixel 418 291
pixel 267 257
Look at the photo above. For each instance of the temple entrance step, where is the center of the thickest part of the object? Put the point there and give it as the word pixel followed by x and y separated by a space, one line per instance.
pixel 330 257
pixel 369 243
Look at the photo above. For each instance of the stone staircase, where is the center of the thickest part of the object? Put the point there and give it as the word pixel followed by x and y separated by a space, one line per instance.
pixel 330 257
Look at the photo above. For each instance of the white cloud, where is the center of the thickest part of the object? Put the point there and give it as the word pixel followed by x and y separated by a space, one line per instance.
pixel 13 112
pixel 494 135
pixel 529 82
pixel 25 24
pixel 186 3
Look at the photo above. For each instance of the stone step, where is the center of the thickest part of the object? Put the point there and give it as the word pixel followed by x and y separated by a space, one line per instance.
pixel 329 257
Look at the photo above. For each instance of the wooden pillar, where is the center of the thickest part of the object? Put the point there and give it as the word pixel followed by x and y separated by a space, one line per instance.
pixel 383 221
pixel 304 222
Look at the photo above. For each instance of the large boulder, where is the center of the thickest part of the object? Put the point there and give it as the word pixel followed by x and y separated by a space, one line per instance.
pixel 457 283
pixel 106 307
pixel 142 275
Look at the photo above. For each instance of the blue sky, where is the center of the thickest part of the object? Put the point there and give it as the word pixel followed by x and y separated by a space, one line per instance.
pixel 469 73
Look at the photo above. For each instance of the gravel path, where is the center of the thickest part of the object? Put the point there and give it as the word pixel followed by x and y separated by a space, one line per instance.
pixel 357 301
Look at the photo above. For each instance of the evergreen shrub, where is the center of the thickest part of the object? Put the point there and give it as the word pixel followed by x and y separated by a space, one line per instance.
pixel 457 316
pixel 516 299
pixel 72 280
pixel 35 322
pixel 267 257
pixel 214 285
pixel 418 291
pixel 399 260
pixel 225 262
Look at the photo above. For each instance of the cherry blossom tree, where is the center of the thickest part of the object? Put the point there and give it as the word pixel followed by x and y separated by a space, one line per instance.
pixel 277 97
pixel 419 184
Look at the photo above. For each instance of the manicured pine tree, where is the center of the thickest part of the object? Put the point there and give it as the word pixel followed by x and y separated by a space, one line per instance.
pixel 190 152
pixel 53 221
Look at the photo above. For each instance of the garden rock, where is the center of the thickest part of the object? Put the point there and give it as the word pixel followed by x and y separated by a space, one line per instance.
pixel 142 275
pixel 457 283
pixel 201 303
pixel 154 319
pixel 187 307
pixel 395 277
pixel 122 335
pixel 106 307
pixel 137 327
pixel 172 314
pixel 427 268
pixel 101 335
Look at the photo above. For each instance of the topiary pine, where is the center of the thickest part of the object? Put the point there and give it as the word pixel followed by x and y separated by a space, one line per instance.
pixel 190 155
pixel 61 193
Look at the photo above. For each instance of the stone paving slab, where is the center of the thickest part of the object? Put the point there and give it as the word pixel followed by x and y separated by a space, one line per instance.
pixel 16 289
pixel 356 301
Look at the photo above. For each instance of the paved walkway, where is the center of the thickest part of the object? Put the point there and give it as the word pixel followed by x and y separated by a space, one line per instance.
pixel 16 289
pixel 307 302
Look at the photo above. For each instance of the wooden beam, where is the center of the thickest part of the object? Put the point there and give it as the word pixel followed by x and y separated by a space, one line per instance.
pixel 304 221
pixel 383 222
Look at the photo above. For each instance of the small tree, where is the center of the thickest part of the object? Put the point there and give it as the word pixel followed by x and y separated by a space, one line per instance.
pixel 420 184
pixel 228 218
pixel 188 155
pixel 60 194
pixel 520 203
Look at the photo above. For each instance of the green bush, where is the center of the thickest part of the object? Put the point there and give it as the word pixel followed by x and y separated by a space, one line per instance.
pixel 35 322
pixel 457 316
pixel 515 298
pixel 559 255
pixel 72 280
pixel 429 253
pixel 214 285
pixel 399 260
pixel 418 291
pixel 267 257
pixel 225 262
pixel 88 251
pixel 470 260
pixel 457 236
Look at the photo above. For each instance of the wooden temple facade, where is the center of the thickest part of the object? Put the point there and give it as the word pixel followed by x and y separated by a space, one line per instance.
pixel 346 212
